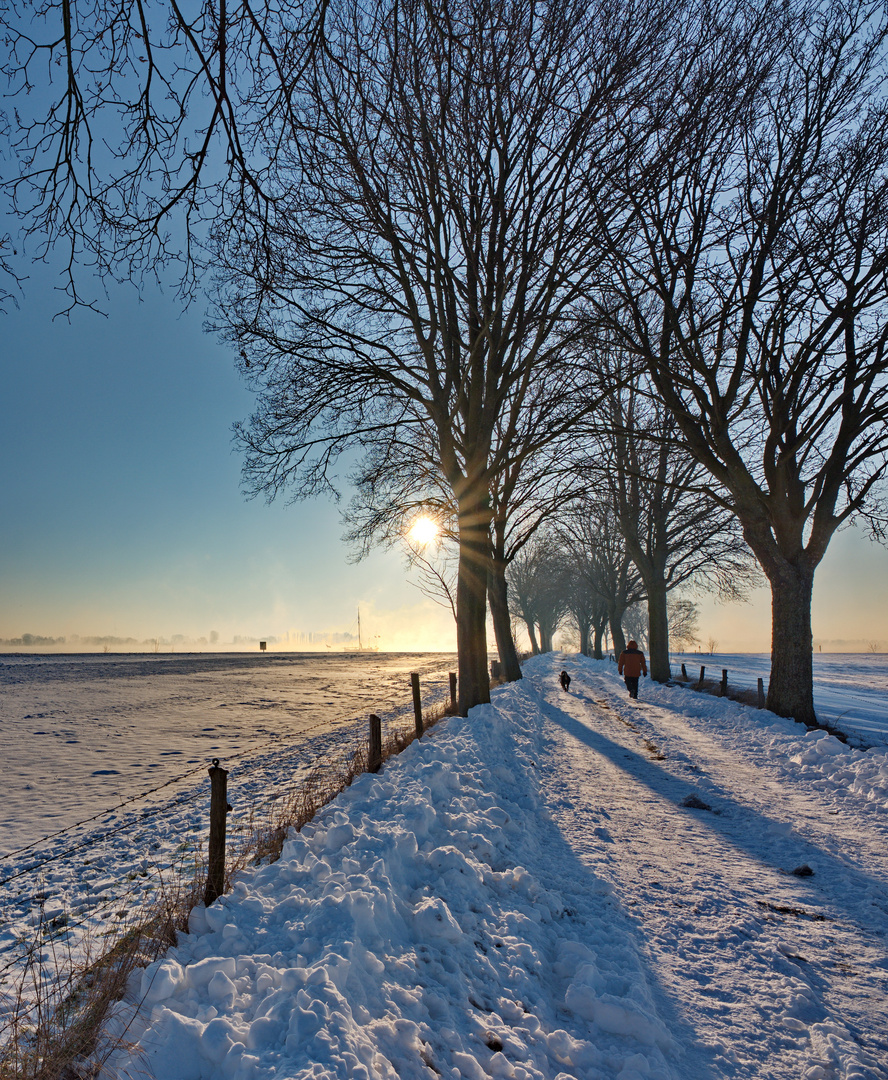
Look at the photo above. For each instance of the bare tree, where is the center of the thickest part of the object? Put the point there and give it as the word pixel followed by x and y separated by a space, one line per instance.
pixel 637 625
pixel 585 607
pixel 529 493
pixel 537 590
pixel 438 185
pixel 683 629
pixel 683 615
pixel 590 539
pixel 437 572
pixel 674 531
pixel 522 595
pixel 763 250
pixel 396 482
pixel 137 125
pixel 585 583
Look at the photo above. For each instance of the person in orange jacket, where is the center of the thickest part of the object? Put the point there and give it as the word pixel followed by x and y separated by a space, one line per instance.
pixel 631 666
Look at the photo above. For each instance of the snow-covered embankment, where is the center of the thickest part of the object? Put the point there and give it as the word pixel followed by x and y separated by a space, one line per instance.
pixel 432 921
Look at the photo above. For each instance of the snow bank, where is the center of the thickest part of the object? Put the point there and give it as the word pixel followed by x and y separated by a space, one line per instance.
pixel 850 689
pixel 430 922
pixel 829 764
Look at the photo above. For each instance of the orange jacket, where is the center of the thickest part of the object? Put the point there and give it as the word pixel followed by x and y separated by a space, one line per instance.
pixel 632 663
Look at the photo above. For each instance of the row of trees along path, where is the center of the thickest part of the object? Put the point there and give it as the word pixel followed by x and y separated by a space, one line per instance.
pixel 424 217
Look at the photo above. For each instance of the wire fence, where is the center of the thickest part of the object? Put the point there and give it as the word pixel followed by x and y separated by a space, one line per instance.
pixel 71 894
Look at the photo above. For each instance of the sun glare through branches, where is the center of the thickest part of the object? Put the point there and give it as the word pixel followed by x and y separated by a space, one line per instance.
pixel 423 531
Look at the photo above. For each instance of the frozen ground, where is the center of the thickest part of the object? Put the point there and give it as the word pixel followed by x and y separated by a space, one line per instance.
pixel 106 794
pixel 535 892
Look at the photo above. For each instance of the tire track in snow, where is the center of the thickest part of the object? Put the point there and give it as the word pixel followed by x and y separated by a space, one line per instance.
pixel 780 976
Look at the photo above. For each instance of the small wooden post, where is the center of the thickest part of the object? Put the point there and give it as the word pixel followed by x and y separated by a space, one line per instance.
pixel 453 692
pixel 702 673
pixel 761 690
pixel 495 669
pixel 417 704
pixel 724 685
pixel 684 673
pixel 374 757
pixel 218 812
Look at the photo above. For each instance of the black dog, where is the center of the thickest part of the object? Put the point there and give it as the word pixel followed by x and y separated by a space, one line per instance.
pixel 565 681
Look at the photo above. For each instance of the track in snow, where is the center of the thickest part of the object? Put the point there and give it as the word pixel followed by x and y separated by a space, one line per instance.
pixel 770 974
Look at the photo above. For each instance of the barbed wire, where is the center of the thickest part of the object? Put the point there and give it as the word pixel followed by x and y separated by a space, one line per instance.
pixel 120 898
pixel 93 840
pixel 168 783
pixel 172 868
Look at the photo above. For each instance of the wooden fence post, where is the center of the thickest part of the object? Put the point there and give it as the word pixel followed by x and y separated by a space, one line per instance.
pixel 453 691
pixel 684 672
pixel 374 757
pixel 724 684
pixel 417 704
pixel 702 673
pixel 761 693
pixel 218 813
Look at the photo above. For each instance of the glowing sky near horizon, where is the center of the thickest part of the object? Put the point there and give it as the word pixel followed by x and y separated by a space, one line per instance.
pixel 122 513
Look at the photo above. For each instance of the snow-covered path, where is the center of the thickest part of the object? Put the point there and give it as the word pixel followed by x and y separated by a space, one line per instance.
pixel 761 965
pixel 523 895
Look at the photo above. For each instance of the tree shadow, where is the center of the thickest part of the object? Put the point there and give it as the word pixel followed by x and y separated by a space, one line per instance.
pixel 741 827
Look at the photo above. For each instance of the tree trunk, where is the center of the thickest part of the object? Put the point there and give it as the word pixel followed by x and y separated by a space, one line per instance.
pixel 531 633
pixel 471 598
pixel 585 638
pixel 615 619
pixel 497 592
pixel 791 691
pixel 658 620
pixel 597 650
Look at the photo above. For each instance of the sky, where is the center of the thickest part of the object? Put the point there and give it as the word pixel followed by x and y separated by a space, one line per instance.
pixel 121 513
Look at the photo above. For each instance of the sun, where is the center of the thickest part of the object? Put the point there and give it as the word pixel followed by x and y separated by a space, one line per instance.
pixel 423 531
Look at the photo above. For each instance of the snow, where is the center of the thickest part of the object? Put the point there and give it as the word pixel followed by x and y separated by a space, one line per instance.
pixel 850 689
pixel 534 893
pixel 85 733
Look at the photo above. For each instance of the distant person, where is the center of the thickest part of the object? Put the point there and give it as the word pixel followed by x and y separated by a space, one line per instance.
pixel 631 666
pixel 565 681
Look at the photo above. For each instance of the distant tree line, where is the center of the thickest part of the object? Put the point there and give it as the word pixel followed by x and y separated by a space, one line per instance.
pixel 31 641
pixel 603 288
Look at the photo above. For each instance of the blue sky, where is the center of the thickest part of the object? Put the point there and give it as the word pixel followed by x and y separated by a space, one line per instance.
pixel 122 513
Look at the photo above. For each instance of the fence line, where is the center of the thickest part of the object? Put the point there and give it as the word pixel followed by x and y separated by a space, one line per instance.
pixel 321 724
pixel 166 873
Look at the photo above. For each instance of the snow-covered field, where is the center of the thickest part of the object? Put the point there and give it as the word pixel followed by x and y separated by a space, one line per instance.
pixel 106 793
pixel 82 734
pixel 535 892
pixel 850 689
